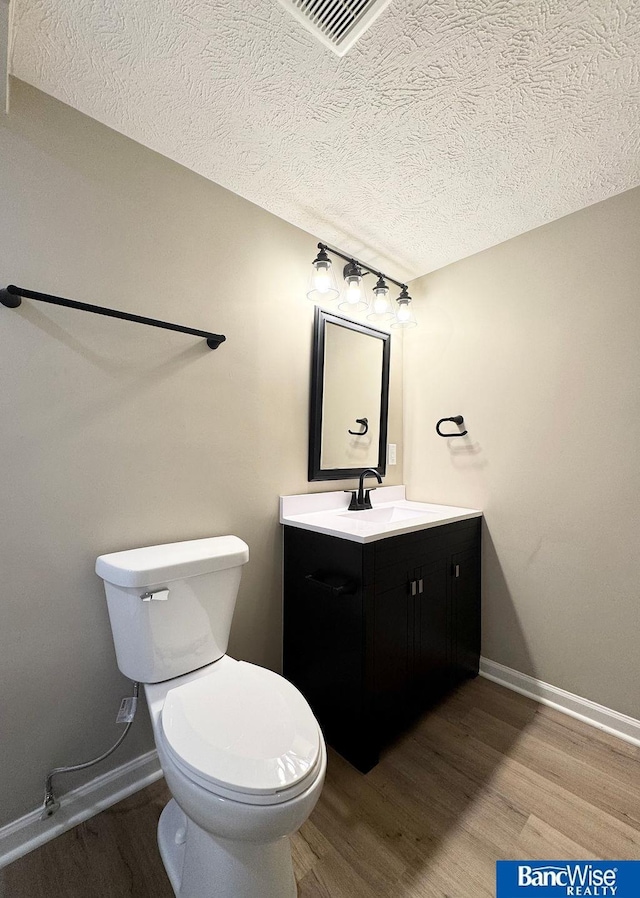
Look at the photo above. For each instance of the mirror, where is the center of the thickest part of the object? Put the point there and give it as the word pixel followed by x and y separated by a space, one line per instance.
pixel 349 398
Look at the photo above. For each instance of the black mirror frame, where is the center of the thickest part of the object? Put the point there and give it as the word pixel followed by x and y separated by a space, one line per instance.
pixel 316 472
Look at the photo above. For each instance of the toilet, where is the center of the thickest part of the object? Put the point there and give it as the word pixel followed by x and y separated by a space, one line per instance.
pixel 241 751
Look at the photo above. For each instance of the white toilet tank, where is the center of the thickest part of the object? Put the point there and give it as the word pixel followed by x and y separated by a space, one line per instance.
pixel 171 606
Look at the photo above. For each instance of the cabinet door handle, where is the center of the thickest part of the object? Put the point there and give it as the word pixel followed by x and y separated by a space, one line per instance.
pixel 456 570
pixel 420 586
pixel 413 587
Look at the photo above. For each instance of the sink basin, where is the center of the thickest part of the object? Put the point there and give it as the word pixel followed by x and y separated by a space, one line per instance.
pixel 387 515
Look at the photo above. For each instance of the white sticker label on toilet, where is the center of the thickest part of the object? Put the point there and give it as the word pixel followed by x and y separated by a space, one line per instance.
pixel 127 710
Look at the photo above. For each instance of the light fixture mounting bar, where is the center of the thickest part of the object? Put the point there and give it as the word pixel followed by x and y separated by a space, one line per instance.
pixel 366 269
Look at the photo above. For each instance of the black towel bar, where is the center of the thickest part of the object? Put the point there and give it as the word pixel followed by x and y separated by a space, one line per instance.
pixel 336 584
pixel 10 297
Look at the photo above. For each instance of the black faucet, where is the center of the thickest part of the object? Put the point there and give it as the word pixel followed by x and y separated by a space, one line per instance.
pixel 361 500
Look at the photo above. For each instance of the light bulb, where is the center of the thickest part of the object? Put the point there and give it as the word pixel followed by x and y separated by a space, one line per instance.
pixel 353 294
pixel 322 278
pixel 322 282
pixel 380 308
pixel 380 301
pixel 403 311
pixel 354 290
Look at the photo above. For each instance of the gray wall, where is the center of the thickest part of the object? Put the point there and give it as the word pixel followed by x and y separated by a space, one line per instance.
pixel 537 343
pixel 115 435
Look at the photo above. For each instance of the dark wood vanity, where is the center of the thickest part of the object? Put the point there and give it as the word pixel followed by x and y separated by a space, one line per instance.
pixel 375 632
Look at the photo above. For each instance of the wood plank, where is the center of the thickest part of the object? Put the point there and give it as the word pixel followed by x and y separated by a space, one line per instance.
pixel 357 843
pixel 564 761
pixel 529 791
pixel 335 876
pixel 114 855
pixel 540 841
pixel 309 887
pixel 307 847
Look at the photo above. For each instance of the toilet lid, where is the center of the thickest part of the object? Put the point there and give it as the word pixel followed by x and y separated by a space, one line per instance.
pixel 242 727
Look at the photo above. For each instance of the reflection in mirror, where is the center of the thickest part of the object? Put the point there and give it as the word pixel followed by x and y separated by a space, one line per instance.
pixel 349 398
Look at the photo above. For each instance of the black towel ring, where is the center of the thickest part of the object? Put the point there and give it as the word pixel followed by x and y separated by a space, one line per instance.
pixel 457 419
pixel 365 424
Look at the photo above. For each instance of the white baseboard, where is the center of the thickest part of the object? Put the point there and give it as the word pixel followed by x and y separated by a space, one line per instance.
pixel 613 722
pixel 23 835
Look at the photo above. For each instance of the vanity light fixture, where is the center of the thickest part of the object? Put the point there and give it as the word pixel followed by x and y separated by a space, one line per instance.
pixel 380 309
pixel 353 295
pixel 354 298
pixel 404 315
pixel 323 287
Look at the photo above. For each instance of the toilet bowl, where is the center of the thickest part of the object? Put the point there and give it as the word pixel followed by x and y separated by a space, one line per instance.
pixel 240 749
pixel 240 785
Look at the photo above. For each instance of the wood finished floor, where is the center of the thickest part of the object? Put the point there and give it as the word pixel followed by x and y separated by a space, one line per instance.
pixel 486 775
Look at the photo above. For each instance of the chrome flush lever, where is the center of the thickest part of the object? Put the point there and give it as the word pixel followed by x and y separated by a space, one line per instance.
pixel 160 595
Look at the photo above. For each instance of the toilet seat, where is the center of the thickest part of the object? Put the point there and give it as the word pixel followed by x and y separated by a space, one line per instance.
pixel 242 732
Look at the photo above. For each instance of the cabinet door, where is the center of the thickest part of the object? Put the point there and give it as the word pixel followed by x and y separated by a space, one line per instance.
pixel 391 643
pixel 324 631
pixel 465 613
pixel 431 634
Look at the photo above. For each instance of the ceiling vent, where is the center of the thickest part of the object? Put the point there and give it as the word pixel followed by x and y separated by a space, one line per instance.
pixel 337 23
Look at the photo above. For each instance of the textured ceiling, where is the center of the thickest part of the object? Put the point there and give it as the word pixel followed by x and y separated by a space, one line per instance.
pixel 452 125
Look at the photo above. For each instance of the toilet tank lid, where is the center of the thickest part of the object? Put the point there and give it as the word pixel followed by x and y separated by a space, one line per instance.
pixel 172 561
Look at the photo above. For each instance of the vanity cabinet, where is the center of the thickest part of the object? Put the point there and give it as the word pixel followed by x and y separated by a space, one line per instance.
pixel 375 632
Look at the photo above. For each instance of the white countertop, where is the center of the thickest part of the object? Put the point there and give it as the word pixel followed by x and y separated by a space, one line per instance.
pixel 327 513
